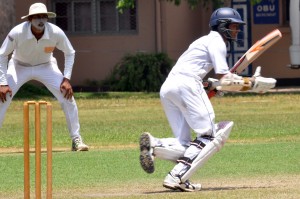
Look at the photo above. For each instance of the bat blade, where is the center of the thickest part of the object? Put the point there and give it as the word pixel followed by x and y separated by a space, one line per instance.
pixel 256 50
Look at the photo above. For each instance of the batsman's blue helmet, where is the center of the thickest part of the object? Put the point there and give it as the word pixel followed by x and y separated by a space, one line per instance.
pixel 227 15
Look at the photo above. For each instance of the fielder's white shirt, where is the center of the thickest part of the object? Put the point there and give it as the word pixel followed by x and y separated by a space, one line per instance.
pixel 29 51
pixel 206 53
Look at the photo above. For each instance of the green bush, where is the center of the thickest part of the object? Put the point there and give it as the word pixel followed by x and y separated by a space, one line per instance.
pixel 139 72
pixel 34 91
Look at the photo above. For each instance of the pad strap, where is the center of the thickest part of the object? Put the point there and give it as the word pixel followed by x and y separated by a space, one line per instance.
pixel 207 137
pixel 188 161
pixel 185 160
pixel 198 143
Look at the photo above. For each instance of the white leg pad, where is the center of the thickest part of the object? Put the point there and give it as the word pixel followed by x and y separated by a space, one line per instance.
pixel 223 131
pixel 171 153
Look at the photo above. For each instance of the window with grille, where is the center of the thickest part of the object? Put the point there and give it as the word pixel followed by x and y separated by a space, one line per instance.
pixel 94 17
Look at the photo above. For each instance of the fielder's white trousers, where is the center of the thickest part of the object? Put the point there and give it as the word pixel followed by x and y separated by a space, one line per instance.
pixel 187 107
pixel 49 75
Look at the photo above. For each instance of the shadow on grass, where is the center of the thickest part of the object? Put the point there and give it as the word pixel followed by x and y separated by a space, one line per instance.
pixel 37 91
pixel 234 188
pixel 229 188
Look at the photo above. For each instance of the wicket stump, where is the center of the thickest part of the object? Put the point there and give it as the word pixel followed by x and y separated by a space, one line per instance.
pixel 38 186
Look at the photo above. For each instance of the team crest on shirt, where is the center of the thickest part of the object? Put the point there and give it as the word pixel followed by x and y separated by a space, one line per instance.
pixel 49 49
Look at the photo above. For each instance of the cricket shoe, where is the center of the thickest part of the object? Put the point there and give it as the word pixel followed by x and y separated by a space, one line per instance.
pixel 146 152
pixel 78 145
pixel 187 186
pixel 173 182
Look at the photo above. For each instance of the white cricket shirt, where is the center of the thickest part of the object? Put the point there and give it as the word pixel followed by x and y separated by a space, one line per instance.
pixel 29 51
pixel 204 54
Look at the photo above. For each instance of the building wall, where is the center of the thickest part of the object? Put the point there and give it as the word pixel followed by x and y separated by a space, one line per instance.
pixel 275 60
pixel 164 27
pixel 97 55
pixel 181 26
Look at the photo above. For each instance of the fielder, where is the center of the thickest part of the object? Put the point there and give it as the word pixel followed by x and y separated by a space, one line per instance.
pixel 32 44
pixel 187 105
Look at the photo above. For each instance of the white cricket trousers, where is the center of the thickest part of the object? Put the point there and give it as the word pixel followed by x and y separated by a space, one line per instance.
pixel 187 107
pixel 49 75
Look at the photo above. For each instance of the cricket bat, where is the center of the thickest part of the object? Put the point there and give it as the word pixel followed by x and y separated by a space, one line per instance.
pixel 253 53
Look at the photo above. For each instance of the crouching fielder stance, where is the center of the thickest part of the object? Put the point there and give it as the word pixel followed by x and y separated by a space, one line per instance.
pixel 188 108
pixel 30 47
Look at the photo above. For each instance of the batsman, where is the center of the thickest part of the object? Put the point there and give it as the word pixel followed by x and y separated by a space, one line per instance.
pixel 188 108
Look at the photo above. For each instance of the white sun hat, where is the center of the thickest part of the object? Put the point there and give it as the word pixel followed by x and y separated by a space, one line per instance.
pixel 39 8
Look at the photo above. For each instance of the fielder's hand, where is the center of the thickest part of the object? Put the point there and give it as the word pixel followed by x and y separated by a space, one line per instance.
pixel 261 84
pixel 4 89
pixel 66 88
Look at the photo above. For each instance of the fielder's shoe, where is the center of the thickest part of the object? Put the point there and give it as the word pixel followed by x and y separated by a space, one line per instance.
pixel 146 152
pixel 174 183
pixel 78 145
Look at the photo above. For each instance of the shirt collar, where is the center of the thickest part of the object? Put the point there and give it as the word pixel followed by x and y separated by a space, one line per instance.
pixel 30 35
pixel 215 33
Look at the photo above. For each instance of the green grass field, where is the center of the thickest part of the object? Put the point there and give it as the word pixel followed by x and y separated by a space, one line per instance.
pixel 260 159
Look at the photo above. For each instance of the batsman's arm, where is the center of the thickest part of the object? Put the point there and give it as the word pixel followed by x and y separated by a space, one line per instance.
pixel 252 54
pixel 229 82
pixel 255 85
pixel 235 83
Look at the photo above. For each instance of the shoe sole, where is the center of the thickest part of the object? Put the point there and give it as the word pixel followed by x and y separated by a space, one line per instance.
pixel 178 187
pixel 81 149
pixel 145 156
pixel 172 187
pixel 187 189
pixel 175 188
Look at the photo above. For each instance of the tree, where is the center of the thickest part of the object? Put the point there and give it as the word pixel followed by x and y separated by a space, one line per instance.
pixel 7 16
pixel 125 4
